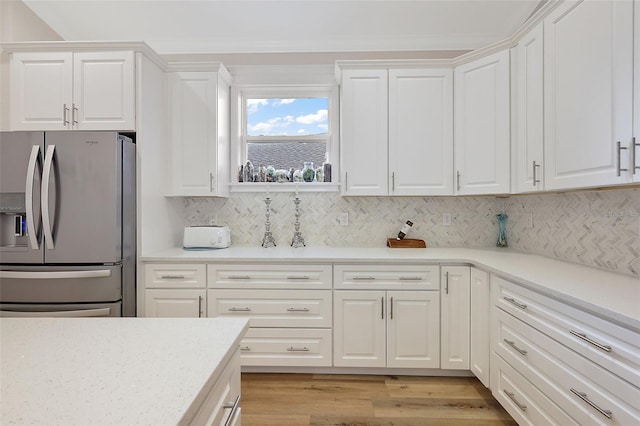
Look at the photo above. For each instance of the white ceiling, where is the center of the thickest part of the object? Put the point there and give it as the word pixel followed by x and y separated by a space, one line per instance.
pixel 224 26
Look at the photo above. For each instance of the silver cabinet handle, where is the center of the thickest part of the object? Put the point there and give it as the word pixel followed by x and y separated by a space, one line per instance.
pixel 239 277
pixel 458 180
pixel 44 197
pixel 584 337
pixel 65 110
pixel 393 182
pixel 446 285
pixel 210 182
pixel 583 396
pixel 535 167
pixel 172 277
pixel 32 227
pixel 391 309
pixel 292 349
pixel 199 306
pixel 364 278
pixel 512 397
pixel 619 148
pixel 297 309
pixel 382 307
pixel 514 303
pixel 245 348
pixel 410 278
pixel 239 309
pixel 73 114
pixel 234 408
pixel 346 181
pixel 513 345
pixel 303 277
pixel 634 147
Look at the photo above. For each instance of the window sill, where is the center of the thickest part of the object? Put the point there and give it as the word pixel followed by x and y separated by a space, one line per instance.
pixel 285 187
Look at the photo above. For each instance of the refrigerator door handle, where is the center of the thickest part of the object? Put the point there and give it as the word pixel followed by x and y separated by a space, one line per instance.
pixel 99 273
pixel 46 218
pixel 32 229
pixel 100 312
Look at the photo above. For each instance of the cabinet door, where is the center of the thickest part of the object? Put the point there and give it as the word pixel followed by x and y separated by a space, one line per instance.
pixel 103 91
pixel 588 49
pixel 359 329
pixel 193 103
pixel 41 91
pixel 175 303
pixel 479 329
pixel 364 132
pixel 421 132
pixel 529 112
pixel 413 329
pixel 455 300
pixel 636 103
pixel 482 124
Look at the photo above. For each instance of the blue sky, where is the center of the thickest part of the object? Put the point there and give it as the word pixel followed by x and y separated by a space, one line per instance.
pixel 288 117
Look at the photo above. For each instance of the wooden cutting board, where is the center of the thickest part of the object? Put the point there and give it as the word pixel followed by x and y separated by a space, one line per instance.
pixel 405 243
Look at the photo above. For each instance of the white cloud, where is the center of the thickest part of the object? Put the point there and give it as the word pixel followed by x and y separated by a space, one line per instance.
pixel 283 102
pixel 318 117
pixel 300 131
pixel 267 127
pixel 324 127
pixel 254 104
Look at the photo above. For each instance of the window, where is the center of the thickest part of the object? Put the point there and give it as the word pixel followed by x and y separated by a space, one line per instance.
pixel 281 130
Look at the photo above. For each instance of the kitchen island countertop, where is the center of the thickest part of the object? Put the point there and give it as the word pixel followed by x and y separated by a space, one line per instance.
pixel 110 370
pixel 613 296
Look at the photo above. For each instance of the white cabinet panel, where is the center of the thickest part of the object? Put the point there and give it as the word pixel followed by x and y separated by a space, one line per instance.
pixel 529 114
pixel 635 165
pixel 421 131
pixel 175 303
pixel 364 132
pixel 588 55
pixel 455 309
pixel 479 329
pixel 482 125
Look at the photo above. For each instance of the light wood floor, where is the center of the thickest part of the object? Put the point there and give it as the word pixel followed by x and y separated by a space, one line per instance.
pixel 354 400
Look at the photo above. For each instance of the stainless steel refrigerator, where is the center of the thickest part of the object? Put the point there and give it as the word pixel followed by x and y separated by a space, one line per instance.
pixel 67 224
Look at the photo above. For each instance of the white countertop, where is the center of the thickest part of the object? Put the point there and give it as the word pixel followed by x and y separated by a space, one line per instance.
pixel 114 371
pixel 613 296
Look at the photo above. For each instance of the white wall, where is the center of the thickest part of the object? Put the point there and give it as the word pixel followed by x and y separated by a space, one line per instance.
pixel 19 23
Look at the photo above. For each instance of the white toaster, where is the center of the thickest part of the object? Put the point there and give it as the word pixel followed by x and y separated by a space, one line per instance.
pixel 206 237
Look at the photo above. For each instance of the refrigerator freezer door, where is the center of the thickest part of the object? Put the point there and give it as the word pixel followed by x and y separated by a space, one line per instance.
pixel 70 310
pixel 82 198
pixel 20 173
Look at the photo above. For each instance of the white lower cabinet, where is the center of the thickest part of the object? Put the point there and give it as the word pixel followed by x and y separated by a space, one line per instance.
pixel 175 290
pixel 479 328
pixel 455 310
pixel 294 347
pixel 386 329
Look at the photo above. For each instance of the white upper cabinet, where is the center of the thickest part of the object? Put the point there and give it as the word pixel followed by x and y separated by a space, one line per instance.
pixel 482 125
pixel 421 131
pixel 529 113
pixel 199 129
pixel 72 91
pixel 588 105
pixel 397 131
pixel 364 132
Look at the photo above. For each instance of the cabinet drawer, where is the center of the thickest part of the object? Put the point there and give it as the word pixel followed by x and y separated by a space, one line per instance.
pixel 274 308
pixel 221 405
pixel 175 275
pixel 385 277
pixel 286 347
pixel 607 344
pixel 526 404
pixel 562 375
pixel 269 276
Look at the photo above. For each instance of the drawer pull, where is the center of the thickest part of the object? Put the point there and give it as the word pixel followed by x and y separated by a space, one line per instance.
pixel 239 309
pixel 239 277
pixel 410 278
pixel 172 277
pixel 233 405
pixel 245 348
pixel 583 396
pixel 303 277
pixel 292 349
pixel 297 309
pixel 364 278
pixel 512 397
pixel 514 303
pixel 513 345
pixel 593 342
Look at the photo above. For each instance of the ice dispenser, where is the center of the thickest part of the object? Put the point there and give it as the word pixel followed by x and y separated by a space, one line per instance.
pixel 13 225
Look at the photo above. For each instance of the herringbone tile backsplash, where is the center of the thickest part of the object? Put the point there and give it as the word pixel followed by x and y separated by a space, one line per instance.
pixel 598 228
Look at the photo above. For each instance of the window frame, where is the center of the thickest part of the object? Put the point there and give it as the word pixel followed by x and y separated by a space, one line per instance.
pixel 239 138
